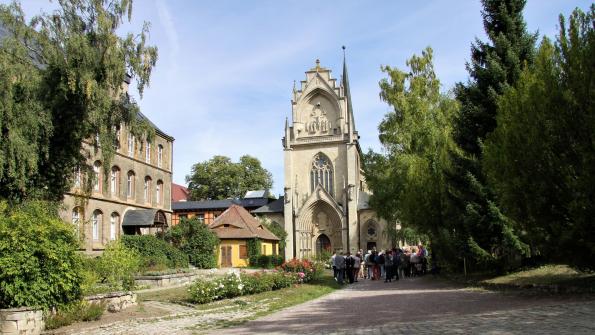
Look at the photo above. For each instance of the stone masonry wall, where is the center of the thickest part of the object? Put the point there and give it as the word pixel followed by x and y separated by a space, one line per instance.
pixel 21 321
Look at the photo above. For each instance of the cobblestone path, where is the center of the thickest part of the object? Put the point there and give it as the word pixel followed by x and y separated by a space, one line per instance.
pixel 412 306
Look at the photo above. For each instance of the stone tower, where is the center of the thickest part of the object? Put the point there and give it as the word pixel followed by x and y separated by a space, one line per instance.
pixel 323 181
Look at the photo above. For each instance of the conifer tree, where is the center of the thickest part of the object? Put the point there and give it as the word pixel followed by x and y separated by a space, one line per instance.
pixel 489 236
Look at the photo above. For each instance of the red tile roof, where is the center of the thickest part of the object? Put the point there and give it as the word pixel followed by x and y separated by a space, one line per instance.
pixel 179 193
pixel 236 222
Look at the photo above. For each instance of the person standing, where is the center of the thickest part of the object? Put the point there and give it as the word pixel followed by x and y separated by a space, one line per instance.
pixel 397 262
pixel 357 261
pixel 388 266
pixel 334 265
pixel 380 262
pixel 349 265
pixel 340 264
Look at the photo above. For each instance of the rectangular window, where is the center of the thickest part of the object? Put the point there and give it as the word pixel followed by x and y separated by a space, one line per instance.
pixel 112 233
pixel 264 249
pixel 200 218
pixel 243 251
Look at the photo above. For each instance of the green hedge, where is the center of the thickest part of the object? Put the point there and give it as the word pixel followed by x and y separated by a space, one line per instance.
pixel 156 254
pixel 196 240
pixel 39 262
pixel 269 261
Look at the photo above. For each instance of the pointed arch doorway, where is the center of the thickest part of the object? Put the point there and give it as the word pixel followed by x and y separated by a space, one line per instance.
pixel 323 244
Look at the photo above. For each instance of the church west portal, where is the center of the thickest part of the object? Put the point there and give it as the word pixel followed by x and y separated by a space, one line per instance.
pixel 325 201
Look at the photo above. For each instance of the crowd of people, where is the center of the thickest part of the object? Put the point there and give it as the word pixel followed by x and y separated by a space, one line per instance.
pixel 384 265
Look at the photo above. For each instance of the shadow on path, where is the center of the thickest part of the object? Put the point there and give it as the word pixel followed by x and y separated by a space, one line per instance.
pixel 372 304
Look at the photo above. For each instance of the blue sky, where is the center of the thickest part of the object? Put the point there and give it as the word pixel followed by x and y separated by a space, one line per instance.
pixel 223 81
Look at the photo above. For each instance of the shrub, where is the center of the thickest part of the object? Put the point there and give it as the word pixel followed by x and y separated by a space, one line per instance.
pixel 202 291
pixel 73 312
pixel 196 240
pixel 265 261
pixel 156 254
pixel 39 263
pixel 253 247
pixel 117 265
pixel 311 270
pixel 283 280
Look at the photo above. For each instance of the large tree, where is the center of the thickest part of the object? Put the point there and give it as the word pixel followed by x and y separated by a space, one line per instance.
pixel 61 82
pixel 541 157
pixel 490 237
pixel 220 178
pixel 408 179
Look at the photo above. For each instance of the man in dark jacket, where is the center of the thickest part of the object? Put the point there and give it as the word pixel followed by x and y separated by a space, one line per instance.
pixel 349 263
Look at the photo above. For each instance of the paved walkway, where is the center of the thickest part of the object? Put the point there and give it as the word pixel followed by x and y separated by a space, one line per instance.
pixel 411 306
pixel 425 306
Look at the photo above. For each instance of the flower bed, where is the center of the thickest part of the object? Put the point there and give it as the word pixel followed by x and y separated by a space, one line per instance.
pixel 235 284
pixel 308 270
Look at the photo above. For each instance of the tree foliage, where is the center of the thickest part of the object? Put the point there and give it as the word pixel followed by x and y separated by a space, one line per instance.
pixel 39 263
pixel 220 178
pixel 541 157
pixel 488 237
pixel 196 240
pixel 61 81
pixel 408 179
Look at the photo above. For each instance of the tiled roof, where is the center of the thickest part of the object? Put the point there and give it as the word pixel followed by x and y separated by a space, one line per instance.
pixel 178 193
pixel 276 206
pixel 236 222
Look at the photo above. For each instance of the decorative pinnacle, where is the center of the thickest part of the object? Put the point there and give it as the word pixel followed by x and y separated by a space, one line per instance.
pixel 318 63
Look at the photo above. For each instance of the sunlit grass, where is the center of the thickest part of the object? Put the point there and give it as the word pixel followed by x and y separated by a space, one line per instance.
pixel 545 275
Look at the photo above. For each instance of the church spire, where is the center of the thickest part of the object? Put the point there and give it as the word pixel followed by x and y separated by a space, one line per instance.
pixel 347 94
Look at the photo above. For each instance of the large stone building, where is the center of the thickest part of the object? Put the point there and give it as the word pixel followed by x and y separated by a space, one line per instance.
pixel 325 201
pixel 133 197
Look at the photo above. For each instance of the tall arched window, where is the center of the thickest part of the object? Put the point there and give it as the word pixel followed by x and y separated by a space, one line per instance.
pixel 131 142
pixel 148 152
pixel 159 155
pixel 97 177
pixel 115 181
pixel 159 192
pixel 321 173
pixel 147 189
pixel 114 225
pixel 130 185
pixel 76 219
pixel 96 223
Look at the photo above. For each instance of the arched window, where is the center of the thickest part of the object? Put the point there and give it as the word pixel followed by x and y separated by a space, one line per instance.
pixel 77 177
pixel 159 155
pixel 115 181
pixel 114 225
pixel 147 189
pixel 159 192
pixel 97 177
pixel 76 219
pixel 148 152
pixel 131 141
pixel 321 173
pixel 118 132
pixel 130 184
pixel 371 228
pixel 96 223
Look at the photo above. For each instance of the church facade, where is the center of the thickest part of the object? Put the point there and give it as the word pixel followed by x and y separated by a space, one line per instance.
pixel 325 202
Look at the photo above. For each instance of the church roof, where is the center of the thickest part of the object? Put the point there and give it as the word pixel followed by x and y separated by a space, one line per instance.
pixel 236 222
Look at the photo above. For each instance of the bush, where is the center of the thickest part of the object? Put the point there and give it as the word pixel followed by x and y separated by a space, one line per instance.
pixel 156 254
pixel 253 247
pixel 78 311
pixel 269 261
pixel 306 269
pixel 196 240
pixel 117 265
pixel 39 263
pixel 235 284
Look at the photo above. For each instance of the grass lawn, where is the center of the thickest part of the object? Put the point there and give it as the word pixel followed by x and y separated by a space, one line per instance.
pixel 560 275
pixel 231 312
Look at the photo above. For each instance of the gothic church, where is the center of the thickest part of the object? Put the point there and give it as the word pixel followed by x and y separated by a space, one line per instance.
pixel 325 201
